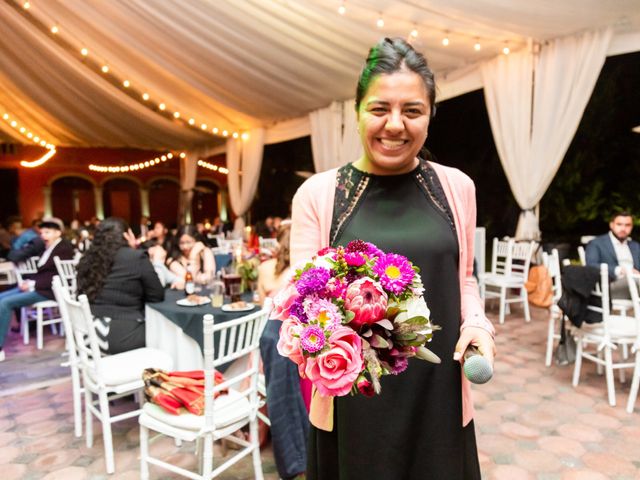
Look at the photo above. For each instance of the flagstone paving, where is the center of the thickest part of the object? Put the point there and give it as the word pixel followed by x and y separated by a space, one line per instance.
pixel 530 422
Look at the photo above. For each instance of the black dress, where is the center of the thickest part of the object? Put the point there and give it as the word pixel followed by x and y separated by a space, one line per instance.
pixel 413 429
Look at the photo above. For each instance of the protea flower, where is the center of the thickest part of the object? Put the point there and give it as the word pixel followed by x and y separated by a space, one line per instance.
pixel 367 300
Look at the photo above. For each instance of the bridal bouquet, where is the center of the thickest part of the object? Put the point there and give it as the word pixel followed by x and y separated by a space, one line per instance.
pixel 351 315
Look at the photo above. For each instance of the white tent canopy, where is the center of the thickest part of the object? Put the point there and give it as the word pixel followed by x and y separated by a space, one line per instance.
pixel 169 74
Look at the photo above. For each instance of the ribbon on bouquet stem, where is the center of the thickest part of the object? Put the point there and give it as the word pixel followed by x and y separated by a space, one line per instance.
pixel 321 411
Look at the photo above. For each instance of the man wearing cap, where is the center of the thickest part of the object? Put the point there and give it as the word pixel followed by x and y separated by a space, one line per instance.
pixel 37 287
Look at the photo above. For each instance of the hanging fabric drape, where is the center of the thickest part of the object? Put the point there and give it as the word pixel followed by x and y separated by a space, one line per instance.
pixel 334 135
pixel 244 156
pixel 535 106
pixel 188 176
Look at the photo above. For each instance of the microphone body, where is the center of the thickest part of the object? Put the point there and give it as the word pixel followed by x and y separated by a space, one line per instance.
pixel 476 368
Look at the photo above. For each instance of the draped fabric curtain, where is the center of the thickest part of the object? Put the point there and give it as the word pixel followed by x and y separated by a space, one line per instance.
pixel 334 135
pixel 535 106
pixel 188 176
pixel 244 156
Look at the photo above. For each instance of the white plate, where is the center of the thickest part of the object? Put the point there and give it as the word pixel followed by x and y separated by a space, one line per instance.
pixel 185 302
pixel 229 308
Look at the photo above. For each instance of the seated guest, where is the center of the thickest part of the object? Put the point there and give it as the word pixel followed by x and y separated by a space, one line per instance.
pixel 33 248
pixel 618 251
pixel 118 280
pixel 37 287
pixel 25 236
pixel 274 273
pixel 189 251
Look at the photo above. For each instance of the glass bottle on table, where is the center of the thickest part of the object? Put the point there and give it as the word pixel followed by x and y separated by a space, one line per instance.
pixel 189 282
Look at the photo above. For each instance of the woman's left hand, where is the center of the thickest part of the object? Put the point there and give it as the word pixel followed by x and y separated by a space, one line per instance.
pixel 479 338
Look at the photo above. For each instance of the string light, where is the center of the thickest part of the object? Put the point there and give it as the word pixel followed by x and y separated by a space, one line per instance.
pixel 414 33
pixel 342 9
pixel 84 52
pixel 380 22
pixel 126 84
pixel 133 167
pixel 26 5
pixel 145 96
pixel 54 29
pixel 211 166
pixel 162 106
pixel 176 114
pixel 105 69
pixel 506 50
pixel 445 41
pixel 477 46
pixel 245 136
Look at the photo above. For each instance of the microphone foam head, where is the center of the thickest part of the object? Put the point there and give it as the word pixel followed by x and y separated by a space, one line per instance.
pixel 478 369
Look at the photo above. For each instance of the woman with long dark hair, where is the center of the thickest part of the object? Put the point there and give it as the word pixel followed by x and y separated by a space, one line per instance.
pixel 118 280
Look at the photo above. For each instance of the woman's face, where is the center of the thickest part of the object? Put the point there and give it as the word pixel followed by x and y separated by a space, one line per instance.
pixel 186 243
pixel 393 119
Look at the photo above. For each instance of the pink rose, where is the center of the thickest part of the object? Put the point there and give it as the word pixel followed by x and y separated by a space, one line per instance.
pixel 334 371
pixel 289 342
pixel 283 301
pixel 367 300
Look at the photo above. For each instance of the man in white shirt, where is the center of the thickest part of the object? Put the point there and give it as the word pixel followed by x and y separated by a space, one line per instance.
pixel 618 251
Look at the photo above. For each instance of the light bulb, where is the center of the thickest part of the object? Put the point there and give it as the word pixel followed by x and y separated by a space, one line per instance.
pixel 225 133
pixel 380 22
pixel 215 130
pixel 105 69
pixel 477 47
pixel 26 5
pixel 54 29
pixel 5 116
pixel 342 9
pixel 145 96
pixel 176 114
pixel 126 84
pixel 414 33
pixel 506 50
pixel 14 124
pixel 203 126
pixel 162 106
pixel 192 121
pixel 84 52
pixel 235 135
pixel 445 41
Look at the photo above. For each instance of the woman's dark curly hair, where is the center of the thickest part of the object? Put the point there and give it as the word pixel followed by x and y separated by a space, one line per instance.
pixel 95 265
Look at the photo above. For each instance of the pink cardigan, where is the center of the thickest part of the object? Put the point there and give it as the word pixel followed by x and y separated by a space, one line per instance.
pixel 312 215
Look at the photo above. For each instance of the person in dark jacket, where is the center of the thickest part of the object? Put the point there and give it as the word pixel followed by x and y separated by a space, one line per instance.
pixel 118 280
pixel 33 248
pixel 37 287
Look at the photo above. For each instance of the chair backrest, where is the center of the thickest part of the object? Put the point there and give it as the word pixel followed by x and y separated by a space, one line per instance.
pixel 236 338
pixel 86 339
pixel 582 256
pixel 480 249
pixel 635 300
pixel 601 292
pixel 501 256
pixel 552 262
pixel 60 293
pixel 28 267
pixel 521 253
pixel 268 242
pixel 67 273
pixel 230 244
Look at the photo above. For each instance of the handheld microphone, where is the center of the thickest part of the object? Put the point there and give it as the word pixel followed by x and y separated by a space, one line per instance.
pixel 477 369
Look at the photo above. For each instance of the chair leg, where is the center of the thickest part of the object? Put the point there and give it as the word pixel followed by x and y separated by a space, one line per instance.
pixel 578 364
pixel 525 304
pixel 611 392
pixel 88 420
pixel 635 383
pixel 625 356
pixel 39 327
pixel 255 440
pixel 77 401
pixel 207 455
pixel 503 302
pixel 106 431
pixel 550 336
pixel 144 452
pixel 24 325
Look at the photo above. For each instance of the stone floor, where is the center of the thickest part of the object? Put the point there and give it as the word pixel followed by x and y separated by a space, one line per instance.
pixel 531 423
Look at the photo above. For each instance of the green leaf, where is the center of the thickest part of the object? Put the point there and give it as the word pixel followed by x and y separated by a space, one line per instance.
pixel 417 320
pixel 424 353
pixel 392 312
pixel 386 324
pixel 349 315
pixel 378 342
pixel 405 336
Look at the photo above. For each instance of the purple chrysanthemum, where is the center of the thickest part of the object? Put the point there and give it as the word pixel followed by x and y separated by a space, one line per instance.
pixel 312 339
pixel 373 251
pixel 395 272
pixel 297 310
pixel 313 280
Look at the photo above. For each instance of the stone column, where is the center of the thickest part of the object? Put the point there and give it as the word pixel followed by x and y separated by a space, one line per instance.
pixel 48 209
pixel 144 201
pixel 97 193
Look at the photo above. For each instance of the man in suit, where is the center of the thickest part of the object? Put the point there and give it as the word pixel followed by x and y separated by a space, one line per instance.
pixel 618 251
pixel 37 288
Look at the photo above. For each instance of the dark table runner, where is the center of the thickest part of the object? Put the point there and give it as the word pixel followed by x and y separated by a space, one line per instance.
pixel 189 319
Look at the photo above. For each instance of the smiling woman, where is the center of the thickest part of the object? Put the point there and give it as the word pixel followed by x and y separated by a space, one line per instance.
pixel 395 198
